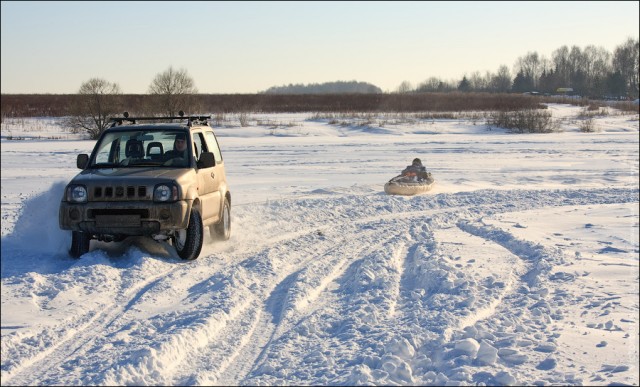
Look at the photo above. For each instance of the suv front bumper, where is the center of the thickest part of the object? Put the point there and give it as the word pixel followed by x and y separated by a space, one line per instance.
pixel 125 218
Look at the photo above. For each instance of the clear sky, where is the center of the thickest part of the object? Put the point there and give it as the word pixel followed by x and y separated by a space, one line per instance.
pixel 247 47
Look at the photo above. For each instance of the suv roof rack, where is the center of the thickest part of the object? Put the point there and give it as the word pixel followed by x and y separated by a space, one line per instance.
pixel 202 120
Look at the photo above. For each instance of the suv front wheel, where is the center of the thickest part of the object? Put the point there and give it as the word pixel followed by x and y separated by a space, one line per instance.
pixel 188 242
pixel 79 243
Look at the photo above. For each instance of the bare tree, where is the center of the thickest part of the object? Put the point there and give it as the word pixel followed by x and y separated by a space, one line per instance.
pixel 477 82
pixel 625 61
pixel 598 67
pixel 531 67
pixel 405 87
pixel 430 85
pixel 501 81
pixel 174 90
pixel 560 59
pixel 98 100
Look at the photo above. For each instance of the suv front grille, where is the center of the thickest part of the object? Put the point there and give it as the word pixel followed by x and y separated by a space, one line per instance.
pixel 143 214
pixel 120 192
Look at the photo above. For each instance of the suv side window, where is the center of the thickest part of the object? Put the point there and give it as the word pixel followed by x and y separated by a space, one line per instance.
pixel 199 145
pixel 213 144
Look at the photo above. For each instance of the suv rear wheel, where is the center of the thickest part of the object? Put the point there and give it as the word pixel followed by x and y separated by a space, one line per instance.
pixel 188 242
pixel 222 229
pixel 79 243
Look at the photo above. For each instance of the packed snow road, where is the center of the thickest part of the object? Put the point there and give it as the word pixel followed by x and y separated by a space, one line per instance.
pixel 329 289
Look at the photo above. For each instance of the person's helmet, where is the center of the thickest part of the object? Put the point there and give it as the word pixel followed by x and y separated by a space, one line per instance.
pixel 417 161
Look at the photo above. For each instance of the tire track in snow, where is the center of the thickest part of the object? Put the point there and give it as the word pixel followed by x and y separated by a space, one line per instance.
pixel 316 281
pixel 73 340
pixel 157 364
pixel 443 211
pixel 508 279
pixel 527 309
pixel 283 305
pixel 418 278
pixel 355 275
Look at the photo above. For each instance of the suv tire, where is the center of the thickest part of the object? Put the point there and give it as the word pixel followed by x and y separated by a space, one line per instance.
pixel 79 243
pixel 188 243
pixel 222 229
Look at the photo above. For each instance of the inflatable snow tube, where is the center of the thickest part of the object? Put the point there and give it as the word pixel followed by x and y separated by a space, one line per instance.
pixel 402 186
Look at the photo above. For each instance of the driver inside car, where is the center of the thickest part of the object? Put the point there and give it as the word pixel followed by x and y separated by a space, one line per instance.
pixel 179 148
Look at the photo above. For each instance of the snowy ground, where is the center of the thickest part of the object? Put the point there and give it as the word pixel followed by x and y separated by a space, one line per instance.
pixel 519 268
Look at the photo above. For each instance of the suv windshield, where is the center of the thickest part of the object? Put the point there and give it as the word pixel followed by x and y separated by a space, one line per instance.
pixel 142 148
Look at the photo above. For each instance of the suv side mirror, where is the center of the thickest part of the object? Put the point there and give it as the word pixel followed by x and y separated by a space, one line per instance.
pixel 82 160
pixel 206 160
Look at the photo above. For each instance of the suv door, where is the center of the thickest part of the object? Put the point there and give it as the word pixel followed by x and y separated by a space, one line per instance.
pixel 208 183
pixel 221 178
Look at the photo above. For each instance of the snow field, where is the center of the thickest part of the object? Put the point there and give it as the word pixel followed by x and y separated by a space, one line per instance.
pixel 520 267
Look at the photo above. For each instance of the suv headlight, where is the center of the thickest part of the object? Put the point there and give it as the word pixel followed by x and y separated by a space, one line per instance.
pixel 77 194
pixel 165 193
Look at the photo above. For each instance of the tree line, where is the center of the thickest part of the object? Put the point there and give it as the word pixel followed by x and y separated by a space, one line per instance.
pixel 591 72
pixel 57 105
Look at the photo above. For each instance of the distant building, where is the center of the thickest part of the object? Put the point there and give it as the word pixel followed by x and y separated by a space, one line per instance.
pixel 564 90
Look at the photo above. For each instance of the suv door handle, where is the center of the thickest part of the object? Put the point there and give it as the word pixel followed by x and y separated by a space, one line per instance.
pixel 213 175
